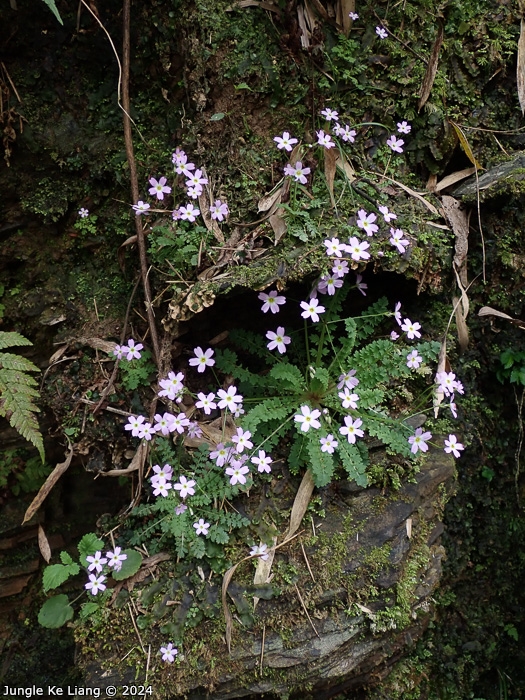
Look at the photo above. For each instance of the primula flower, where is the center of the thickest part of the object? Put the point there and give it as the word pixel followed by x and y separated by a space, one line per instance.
pixel 349 400
pixel 324 140
pixel 397 240
pixel 161 488
pixel 366 222
pixel 141 207
pixel 262 461
pixel 312 309
pixel 413 359
pixel 94 585
pixel 278 340
pixel 353 16
pixel 194 430
pixel 201 527
pixel 196 178
pixel 397 313
pixel 172 386
pixel 169 653
pixel 165 472
pixel 221 454
pixel 419 441
pixel 188 212
pixel 328 444
pixel 299 173
pixel 219 210
pixel 285 141
pixel 132 350
pixel 206 402
pixel 357 249
pixel 164 424
pixel 135 425
pixel 202 359
pixel 180 509
pixel 272 301
pixel 308 418
pixel 119 351
pixel 352 429
pixel 159 188
pixel 96 562
pixel 242 440
pixel 115 559
pixel 404 128
pixel 348 379
pixel 340 268
pixel 448 383
pixel 330 114
pixel 83 213
pixel 395 144
pixel 180 422
pixel 229 399
pixel 146 432
pixel 411 329
pixel 453 410
pixel 194 191
pixel 184 486
pixel 381 32
pixel 394 335
pixel 348 134
pixel 329 284
pixel 333 247
pixel 388 216
pixel 259 550
pixel 361 286
pixel 452 445
pixel 236 474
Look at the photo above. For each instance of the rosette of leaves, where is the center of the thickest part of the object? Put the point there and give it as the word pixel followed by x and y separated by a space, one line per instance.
pixel 17 390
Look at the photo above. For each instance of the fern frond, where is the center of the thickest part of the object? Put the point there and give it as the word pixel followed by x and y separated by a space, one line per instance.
pixel 17 391
pixel 321 464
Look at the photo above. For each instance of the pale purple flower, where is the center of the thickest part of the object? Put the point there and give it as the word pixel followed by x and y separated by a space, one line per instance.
pixel 172 386
pixel 419 441
pixel 349 400
pixel 219 210
pixel 119 351
pixel 132 350
pixel 381 32
pixel 397 313
pixel 403 127
pixel 196 178
pixel 324 139
pixel 194 191
pixel 366 222
pixel 337 129
pixel 333 247
pixel 340 268
pixel 194 430
pixel 413 359
pixel 206 402
pixel 262 461
pixel 299 173
pixel 289 170
pixel 146 432
pixel 221 454
pixel 348 379
pixel 184 486
pixel 308 418
pixel 453 410
pixel 348 134
pixel 394 335
pixel 202 359
pixel 357 249
pixel 179 156
pixel 180 422
pixel 95 584
pixel 411 329
pixel 201 527
pixel 159 188
pixel 188 212
pixel 272 301
pixel 397 240
pixel 237 473
pixel 452 445
pixel 352 429
pixel 229 399
pixel 164 424
pixel 285 141
pixel 395 144
pixel 388 216
pixel 259 550
pixel 141 207
pixel 448 383
pixel 135 425
pixel 181 508
pixel 242 440
pixel 329 284
pixel 165 472
pixel 328 444
pixel 83 213
pixel 278 340
pixel 96 562
pixel 175 215
pixel 312 309
pixel 161 488
pixel 330 114
pixel 353 16
pixel 169 653
pixel 115 558
pixel 361 286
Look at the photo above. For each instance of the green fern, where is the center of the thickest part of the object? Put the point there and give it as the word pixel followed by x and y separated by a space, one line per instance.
pixel 17 390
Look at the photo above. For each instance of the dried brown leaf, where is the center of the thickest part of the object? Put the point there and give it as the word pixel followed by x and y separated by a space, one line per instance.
pixel 459 220
pixel 278 225
pixel 432 66
pixel 520 68
pixel 408 523
pixel 47 486
pixel 453 178
pixel 210 223
pixel 300 504
pixel 461 323
pixel 43 544
pixel 305 34
pixel 441 367
pixel 136 463
pixel 269 6
pixel 344 166
pixel 330 159
pixel 263 570
pixel 466 146
pixel 269 200
pixel 415 194
pixel 344 7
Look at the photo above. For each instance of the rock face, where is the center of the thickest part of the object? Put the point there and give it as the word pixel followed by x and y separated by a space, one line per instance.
pixel 375 562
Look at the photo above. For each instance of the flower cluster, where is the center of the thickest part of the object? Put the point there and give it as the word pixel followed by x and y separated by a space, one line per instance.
pixel 131 351
pixel 97 581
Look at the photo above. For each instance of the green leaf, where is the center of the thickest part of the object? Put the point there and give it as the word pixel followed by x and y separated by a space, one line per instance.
pixel 289 376
pixel 89 545
pixel 321 464
pixel 53 8
pixel 217 117
pixel 56 574
pixel 88 609
pixel 353 462
pixel 65 558
pixel 8 339
pixel 130 566
pixel 55 612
